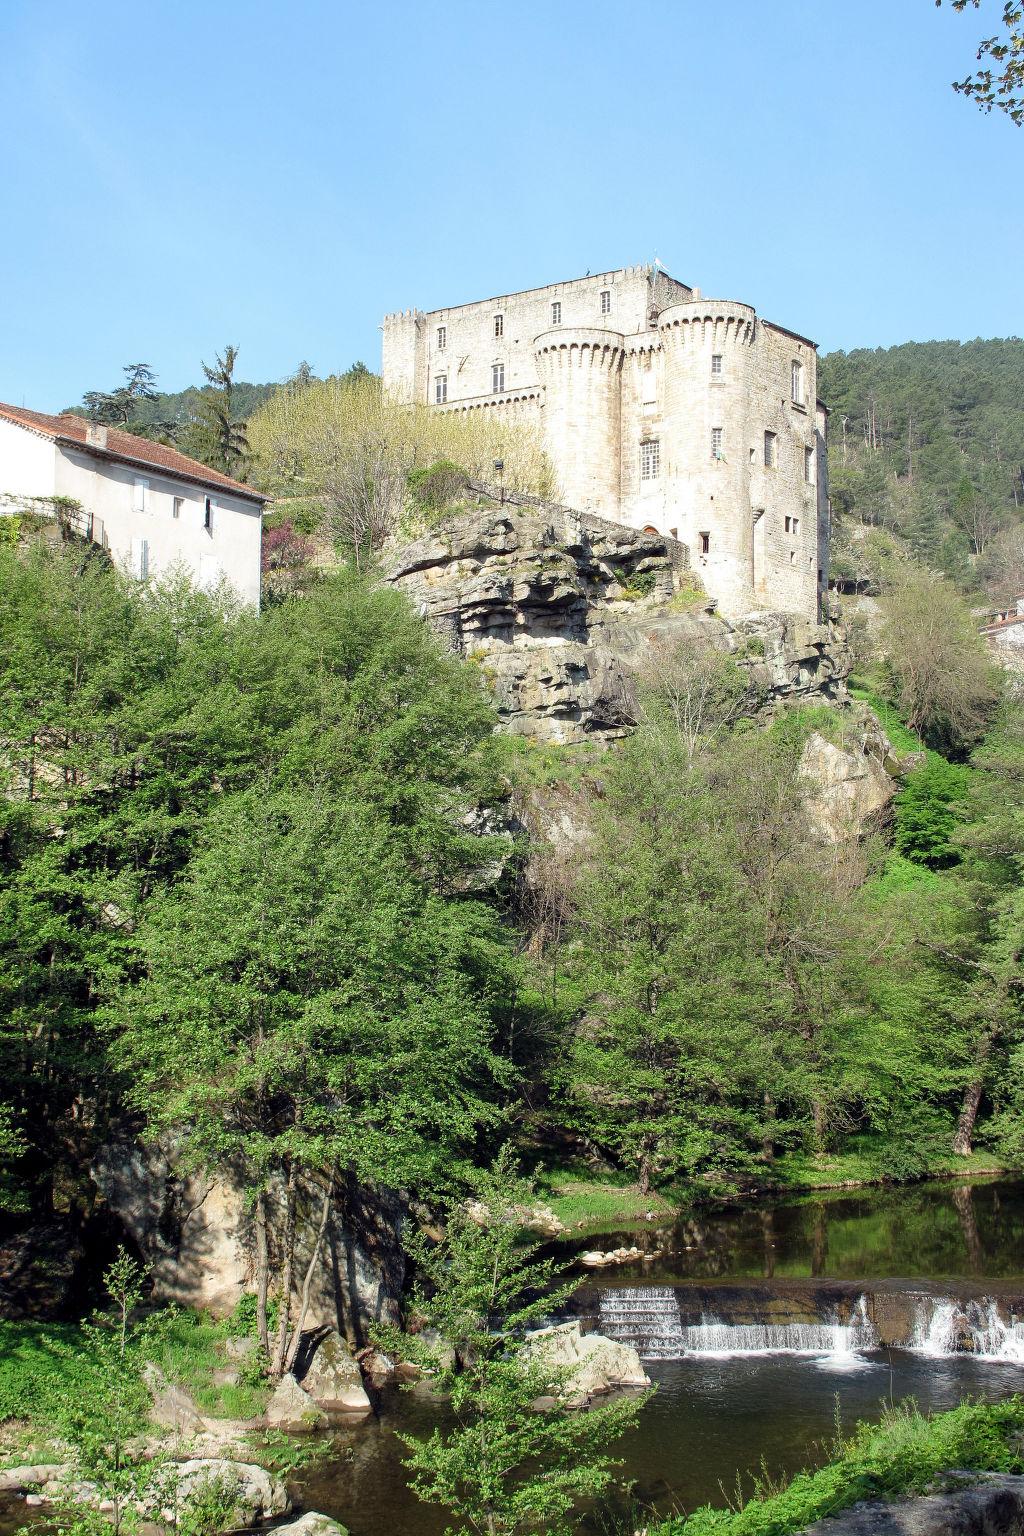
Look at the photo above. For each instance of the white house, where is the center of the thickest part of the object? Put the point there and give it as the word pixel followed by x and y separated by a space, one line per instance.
pixel 151 506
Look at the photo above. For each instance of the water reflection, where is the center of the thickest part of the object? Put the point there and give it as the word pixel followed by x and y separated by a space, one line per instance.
pixel 933 1231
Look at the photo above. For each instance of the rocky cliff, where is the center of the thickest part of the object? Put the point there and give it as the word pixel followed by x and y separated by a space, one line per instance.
pixel 560 609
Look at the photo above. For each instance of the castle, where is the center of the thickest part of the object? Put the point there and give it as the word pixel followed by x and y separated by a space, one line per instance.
pixel 659 409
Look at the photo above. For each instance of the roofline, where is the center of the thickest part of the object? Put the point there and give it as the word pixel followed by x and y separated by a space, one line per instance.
pixel 233 487
pixel 796 335
pixel 54 435
pixel 516 293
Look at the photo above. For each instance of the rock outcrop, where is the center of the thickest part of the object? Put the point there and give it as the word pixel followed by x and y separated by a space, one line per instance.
pixel 849 786
pixel 994 1506
pixel 560 608
pixel 585 1364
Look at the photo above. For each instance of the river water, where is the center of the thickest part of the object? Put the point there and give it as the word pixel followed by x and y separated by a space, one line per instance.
pixel 759 1325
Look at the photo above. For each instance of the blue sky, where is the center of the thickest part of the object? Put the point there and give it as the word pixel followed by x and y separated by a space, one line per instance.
pixel 178 174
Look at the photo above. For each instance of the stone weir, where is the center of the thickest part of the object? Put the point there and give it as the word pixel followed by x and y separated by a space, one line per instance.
pixel 816 1318
pixel 560 609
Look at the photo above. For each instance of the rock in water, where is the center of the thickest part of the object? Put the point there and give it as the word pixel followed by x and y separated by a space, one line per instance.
pixel 593 1363
pixel 257 1494
pixel 333 1379
pixel 312 1524
pixel 291 1409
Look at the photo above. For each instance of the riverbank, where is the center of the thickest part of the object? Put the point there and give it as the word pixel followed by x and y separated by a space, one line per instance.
pixel 590 1206
pixel 906 1452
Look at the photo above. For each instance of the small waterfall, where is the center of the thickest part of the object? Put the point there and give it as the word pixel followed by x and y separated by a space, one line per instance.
pixel 946 1326
pixel 648 1317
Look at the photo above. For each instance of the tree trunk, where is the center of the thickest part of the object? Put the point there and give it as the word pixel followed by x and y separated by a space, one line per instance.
pixel 286 1279
pixel 307 1282
pixel 262 1272
pixel 963 1200
pixel 964 1139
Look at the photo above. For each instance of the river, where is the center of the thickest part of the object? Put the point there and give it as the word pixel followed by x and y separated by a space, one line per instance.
pixel 759 1324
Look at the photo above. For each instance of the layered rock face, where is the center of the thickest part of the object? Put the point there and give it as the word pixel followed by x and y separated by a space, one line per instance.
pixel 560 609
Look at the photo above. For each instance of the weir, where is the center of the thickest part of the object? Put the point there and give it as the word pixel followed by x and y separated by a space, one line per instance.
pixel 672 1323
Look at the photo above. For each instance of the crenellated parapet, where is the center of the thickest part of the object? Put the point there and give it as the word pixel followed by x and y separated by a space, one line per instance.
pixel 577 347
pixel 713 323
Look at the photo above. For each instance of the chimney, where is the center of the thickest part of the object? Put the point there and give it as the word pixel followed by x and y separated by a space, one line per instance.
pixel 96 437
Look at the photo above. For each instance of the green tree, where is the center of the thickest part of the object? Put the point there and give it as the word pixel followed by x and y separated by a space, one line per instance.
pixel 1003 86
pixel 509 1465
pixel 928 810
pixel 218 437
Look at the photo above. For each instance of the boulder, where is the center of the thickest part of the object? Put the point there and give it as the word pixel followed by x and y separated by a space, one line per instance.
pixel 993 1506
pixel 333 1379
pixel 28 1478
pixel 172 1407
pixel 592 1363
pixel 291 1409
pixel 311 1524
pixel 258 1495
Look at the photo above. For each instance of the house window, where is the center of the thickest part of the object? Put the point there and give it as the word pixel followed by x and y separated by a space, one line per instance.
pixel 442 337
pixel 792 524
pixel 769 450
pixel 139 489
pixel 497 378
pixel 796 383
pixel 716 365
pixel 556 313
pixel 650 459
pixel 716 442
pixel 499 325
pixel 705 543
pixel 809 465
pixel 440 389
pixel 606 301
pixel 176 506
pixel 208 514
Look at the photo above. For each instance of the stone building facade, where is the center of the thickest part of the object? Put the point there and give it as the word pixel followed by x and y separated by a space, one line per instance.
pixel 659 409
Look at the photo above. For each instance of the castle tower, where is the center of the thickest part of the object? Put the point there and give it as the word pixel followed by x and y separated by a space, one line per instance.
pixel 579 368
pixel 707 367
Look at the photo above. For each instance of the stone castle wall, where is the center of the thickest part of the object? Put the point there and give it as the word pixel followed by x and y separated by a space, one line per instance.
pixel 643 426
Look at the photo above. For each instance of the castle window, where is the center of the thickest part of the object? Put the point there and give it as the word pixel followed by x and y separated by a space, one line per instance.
pixel 769 450
pixel 716 442
pixel 606 301
pixel 440 389
pixel 792 524
pixel 809 465
pixel 650 459
pixel 705 543
pixel 442 337
pixel 497 378
pixel 556 313
pixel 499 325
pixel 716 365
pixel 796 383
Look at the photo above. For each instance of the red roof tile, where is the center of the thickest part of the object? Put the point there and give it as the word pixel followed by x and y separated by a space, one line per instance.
pixel 127 448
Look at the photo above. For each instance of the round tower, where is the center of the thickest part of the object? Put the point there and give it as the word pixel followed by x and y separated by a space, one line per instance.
pixel 580 369
pixel 708 361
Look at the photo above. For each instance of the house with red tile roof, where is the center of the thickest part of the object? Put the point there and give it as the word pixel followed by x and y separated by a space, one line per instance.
pixel 153 508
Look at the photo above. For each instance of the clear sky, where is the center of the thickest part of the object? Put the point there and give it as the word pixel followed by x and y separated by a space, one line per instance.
pixel 178 174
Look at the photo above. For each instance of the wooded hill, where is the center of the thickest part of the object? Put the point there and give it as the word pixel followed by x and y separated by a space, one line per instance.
pixel 927 443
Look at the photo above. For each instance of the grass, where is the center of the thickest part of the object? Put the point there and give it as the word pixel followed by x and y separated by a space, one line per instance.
pixel 593 1205
pixel 903 739
pixel 870 1163
pixel 190 1351
pixel 904 1453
